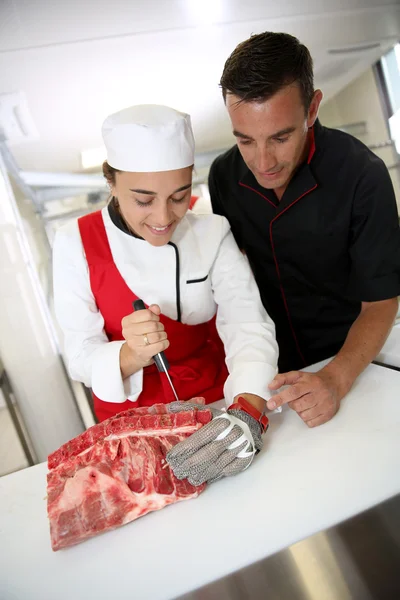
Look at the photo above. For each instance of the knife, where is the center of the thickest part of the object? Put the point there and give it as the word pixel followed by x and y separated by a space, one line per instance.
pixel 160 359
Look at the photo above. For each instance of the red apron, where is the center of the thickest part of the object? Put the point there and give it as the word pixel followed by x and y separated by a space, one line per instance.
pixel 196 354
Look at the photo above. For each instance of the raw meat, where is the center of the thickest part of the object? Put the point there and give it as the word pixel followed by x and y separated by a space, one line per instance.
pixel 116 472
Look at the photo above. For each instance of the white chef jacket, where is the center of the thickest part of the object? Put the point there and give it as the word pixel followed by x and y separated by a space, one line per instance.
pixel 211 272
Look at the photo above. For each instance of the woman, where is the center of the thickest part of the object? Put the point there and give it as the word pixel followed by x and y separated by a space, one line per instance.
pixel 187 269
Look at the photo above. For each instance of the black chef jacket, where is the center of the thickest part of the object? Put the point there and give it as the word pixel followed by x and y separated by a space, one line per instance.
pixel 332 241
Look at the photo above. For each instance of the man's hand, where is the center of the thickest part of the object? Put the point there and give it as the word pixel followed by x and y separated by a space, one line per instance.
pixel 314 396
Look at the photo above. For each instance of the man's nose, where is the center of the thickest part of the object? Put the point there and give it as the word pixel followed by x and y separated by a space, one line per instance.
pixel 265 160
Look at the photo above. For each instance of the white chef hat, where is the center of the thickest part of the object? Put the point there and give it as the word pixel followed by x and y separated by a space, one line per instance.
pixel 147 138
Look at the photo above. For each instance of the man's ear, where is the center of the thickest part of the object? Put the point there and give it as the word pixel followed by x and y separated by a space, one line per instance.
pixel 314 107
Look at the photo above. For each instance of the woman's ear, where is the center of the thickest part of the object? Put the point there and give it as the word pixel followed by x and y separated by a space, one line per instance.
pixel 111 187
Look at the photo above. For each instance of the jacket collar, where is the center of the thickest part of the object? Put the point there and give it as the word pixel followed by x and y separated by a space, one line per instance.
pixel 117 219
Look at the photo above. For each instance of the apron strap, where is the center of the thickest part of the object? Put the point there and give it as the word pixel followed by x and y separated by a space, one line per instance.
pixel 94 238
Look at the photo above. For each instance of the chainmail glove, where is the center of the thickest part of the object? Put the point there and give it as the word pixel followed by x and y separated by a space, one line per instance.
pixel 225 446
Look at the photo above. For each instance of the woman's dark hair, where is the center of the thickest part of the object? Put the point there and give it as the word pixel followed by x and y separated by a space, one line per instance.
pixel 265 63
pixel 109 173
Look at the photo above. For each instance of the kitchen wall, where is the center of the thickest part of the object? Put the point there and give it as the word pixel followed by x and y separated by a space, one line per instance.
pixel 357 102
pixel 27 342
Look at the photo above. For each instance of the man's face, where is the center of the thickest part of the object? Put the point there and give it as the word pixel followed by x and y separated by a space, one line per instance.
pixel 272 135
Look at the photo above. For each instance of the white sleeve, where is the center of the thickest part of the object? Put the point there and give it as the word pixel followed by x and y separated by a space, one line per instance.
pixel 248 333
pixel 91 358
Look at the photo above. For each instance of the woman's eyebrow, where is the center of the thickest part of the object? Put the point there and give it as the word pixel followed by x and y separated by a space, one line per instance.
pixel 144 192
pixel 184 187
pixel 181 189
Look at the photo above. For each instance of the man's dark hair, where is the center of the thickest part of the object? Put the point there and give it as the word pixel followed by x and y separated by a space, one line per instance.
pixel 265 63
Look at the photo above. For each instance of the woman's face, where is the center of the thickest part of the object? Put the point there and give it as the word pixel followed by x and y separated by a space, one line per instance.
pixel 152 204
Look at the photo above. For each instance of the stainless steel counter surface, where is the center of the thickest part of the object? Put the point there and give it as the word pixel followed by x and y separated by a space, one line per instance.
pixel 358 559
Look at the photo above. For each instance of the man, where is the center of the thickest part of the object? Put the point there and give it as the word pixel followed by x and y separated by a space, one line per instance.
pixel 315 212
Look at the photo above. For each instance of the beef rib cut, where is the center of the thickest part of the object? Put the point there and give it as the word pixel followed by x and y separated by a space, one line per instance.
pixel 116 472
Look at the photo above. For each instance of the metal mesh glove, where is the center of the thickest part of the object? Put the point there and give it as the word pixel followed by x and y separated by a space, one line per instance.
pixel 225 446
pixel 175 407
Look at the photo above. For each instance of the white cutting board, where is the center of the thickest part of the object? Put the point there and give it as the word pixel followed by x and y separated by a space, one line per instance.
pixel 303 481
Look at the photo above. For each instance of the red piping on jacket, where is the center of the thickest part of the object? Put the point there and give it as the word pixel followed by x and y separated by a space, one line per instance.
pixel 257 192
pixel 309 158
pixel 279 274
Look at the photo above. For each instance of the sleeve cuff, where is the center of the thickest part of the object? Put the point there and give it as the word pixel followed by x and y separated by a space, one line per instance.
pixel 373 290
pixel 107 382
pixel 250 379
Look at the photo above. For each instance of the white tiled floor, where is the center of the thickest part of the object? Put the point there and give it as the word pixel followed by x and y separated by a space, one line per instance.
pixel 12 456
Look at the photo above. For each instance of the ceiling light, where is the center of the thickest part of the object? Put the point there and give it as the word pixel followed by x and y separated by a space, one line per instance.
pixel 353 48
pixel 15 118
pixel 206 12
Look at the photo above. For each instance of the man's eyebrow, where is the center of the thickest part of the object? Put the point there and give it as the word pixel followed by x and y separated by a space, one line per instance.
pixel 150 193
pixel 241 135
pixel 278 134
pixel 282 132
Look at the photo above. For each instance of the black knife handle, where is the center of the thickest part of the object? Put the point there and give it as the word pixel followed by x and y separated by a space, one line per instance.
pixel 159 358
pixel 139 305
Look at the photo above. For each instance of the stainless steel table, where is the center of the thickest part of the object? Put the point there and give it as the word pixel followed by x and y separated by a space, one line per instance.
pixel 358 559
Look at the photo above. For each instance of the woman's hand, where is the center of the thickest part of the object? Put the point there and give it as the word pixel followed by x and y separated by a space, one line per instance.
pixel 225 446
pixel 258 402
pixel 145 337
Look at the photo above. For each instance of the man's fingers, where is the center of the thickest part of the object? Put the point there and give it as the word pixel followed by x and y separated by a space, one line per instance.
pixel 306 402
pixel 320 420
pixel 284 379
pixel 294 392
pixel 310 413
pixel 318 415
